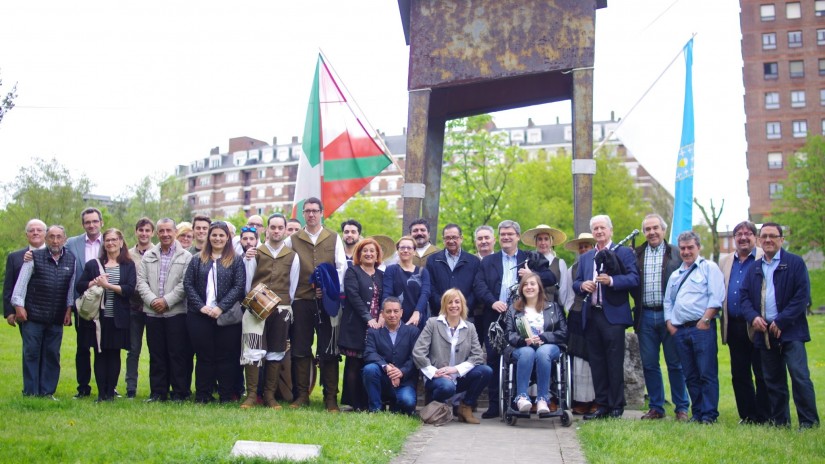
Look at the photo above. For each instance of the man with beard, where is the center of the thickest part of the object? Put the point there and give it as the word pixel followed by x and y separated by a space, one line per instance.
pixel 749 388
pixel 351 231
pixel 420 232
pixel 315 244
pixel 42 299
pixel 266 343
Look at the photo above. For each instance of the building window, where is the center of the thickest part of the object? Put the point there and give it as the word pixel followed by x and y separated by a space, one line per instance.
pixel 797 98
pixel 793 10
pixel 822 66
pixel 392 185
pixel 278 191
pixel 533 135
pixel 771 100
pixel 775 190
pixel 774 160
pixel 822 97
pixel 262 192
pixel 773 130
pixel 823 127
pixel 203 200
pixel 204 180
pixel 769 41
pixel 230 196
pixel 819 7
pixel 820 36
pixel 794 39
pixel 261 173
pixel 797 68
pixel 800 128
pixel 231 177
pixel 771 70
pixel 767 12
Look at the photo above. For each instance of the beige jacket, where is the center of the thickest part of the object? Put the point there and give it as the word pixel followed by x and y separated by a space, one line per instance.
pixel 149 277
pixel 433 348
pixel 726 264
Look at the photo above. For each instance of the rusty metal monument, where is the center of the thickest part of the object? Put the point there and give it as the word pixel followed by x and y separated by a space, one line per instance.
pixel 476 56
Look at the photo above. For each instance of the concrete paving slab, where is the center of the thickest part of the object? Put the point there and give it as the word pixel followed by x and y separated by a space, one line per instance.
pixel 273 450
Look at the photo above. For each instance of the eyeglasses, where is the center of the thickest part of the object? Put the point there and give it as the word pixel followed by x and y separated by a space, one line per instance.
pixel 769 236
pixel 452 239
pixel 249 229
pixel 256 225
pixel 744 235
pixel 111 240
pixel 312 211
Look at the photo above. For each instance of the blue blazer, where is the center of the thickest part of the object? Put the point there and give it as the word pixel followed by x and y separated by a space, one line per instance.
pixel 14 262
pixel 77 246
pixel 616 302
pixel 380 350
pixel 443 279
pixel 487 285
pixel 793 293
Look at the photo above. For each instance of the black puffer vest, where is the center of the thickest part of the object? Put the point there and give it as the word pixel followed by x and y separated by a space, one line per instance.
pixel 48 286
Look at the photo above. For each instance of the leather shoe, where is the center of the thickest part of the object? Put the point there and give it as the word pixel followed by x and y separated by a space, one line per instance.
pixel 653 414
pixel 616 413
pixel 155 399
pixel 599 413
pixel 491 413
pixel 554 405
pixel 682 416
pixel 581 409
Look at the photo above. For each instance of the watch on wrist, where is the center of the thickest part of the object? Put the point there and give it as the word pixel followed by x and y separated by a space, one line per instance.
pixel 706 321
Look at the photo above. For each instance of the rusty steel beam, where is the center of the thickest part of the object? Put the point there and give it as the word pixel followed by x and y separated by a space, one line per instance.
pixel 417 131
pixel 582 105
pixel 433 161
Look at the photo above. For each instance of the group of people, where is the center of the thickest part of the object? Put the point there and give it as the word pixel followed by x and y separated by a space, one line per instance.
pixel 414 309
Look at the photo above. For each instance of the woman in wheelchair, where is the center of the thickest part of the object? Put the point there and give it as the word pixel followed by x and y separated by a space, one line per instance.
pixel 536 330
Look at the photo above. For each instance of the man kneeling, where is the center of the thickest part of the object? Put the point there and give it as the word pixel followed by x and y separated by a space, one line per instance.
pixel 389 371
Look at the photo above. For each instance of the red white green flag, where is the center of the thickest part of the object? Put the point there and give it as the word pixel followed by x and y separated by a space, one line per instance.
pixel 340 156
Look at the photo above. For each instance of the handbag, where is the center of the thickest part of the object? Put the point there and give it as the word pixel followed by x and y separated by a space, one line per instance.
pixel 496 334
pixel 235 313
pixel 436 413
pixel 89 303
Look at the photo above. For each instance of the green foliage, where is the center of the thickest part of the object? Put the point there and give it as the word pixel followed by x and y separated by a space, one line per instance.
pixel 8 101
pixel 155 196
pixel 477 168
pixel 817 287
pixel 377 217
pixel 131 431
pixel 802 205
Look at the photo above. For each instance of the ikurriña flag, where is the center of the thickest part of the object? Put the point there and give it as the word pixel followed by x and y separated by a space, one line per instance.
pixel 340 156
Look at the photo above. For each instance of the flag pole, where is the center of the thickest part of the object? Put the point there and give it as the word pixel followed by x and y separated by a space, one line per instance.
pixel 360 114
pixel 610 134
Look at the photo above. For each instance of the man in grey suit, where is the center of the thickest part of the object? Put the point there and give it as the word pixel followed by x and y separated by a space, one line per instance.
pixel 85 247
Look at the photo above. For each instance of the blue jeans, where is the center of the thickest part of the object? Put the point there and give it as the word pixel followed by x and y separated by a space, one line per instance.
pixel 653 333
pixel 442 388
pixel 774 361
pixel 41 357
pixel 379 386
pixel 697 351
pixel 542 358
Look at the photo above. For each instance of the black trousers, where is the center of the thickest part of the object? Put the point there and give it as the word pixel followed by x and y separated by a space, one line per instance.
pixel 309 319
pixel 745 367
pixel 107 371
pixel 605 347
pixel 82 358
pixel 170 356
pixel 218 353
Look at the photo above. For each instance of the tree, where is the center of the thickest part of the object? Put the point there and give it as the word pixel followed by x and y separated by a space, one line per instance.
pixel 477 166
pixel 713 224
pixel 802 205
pixel 377 217
pixel 155 196
pixel 8 101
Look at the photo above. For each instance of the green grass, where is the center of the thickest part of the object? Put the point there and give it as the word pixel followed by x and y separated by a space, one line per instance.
pixel 817 287
pixel 726 442
pixel 41 430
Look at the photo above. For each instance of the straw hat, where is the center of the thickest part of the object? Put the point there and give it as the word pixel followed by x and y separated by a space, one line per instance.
pixel 386 243
pixel 529 237
pixel 573 245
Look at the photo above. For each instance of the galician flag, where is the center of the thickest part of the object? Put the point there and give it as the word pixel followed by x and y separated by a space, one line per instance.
pixel 683 202
pixel 340 156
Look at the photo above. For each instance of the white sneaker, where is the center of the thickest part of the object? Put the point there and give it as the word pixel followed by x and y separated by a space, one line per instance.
pixel 524 404
pixel 542 407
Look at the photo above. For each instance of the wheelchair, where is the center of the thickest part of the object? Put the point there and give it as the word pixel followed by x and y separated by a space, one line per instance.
pixel 560 381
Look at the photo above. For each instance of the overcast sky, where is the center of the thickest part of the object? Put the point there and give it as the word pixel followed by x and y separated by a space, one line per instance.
pixel 118 91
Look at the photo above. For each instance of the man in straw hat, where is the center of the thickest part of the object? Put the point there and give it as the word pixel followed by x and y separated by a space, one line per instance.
pixel 544 238
pixel 583 393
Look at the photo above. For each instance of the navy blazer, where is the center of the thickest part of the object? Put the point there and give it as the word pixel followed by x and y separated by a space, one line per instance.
pixel 487 285
pixel 14 262
pixel 616 302
pixel 380 350
pixel 77 246
pixel 793 293
pixel 128 282
pixel 443 279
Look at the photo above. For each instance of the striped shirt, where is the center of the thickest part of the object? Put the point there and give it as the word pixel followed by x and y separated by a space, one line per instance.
pixel 114 279
pixel 165 263
pixel 654 257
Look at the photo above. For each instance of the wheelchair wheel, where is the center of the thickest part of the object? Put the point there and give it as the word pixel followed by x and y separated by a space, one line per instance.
pixel 503 388
pixel 510 420
pixel 566 419
pixel 568 378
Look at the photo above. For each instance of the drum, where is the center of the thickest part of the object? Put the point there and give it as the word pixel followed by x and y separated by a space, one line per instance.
pixel 261 301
